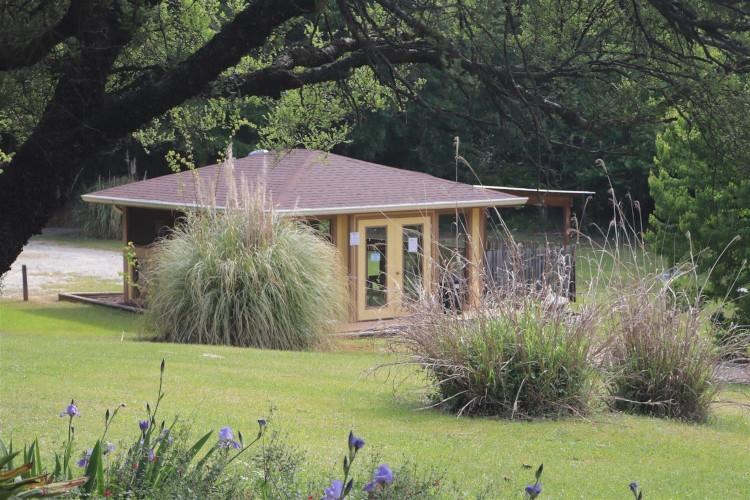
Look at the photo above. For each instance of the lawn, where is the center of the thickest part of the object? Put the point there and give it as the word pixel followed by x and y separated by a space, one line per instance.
pixel 81 242
pixel 52 352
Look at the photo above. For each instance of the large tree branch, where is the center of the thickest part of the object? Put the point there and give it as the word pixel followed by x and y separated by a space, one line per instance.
pixel 710 32
pixel 81 119
pixel 14 56
pixel 295 69
pixel 248 30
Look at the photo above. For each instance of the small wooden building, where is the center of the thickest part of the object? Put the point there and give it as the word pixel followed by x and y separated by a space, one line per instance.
pixel 385 222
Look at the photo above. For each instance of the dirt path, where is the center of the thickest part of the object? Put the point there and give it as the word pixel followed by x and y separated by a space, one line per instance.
pixel 54 267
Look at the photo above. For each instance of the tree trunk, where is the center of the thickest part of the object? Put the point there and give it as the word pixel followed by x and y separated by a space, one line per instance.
pixel 82 120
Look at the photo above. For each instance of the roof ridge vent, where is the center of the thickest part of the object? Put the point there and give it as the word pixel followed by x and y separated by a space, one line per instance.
pixel 258 152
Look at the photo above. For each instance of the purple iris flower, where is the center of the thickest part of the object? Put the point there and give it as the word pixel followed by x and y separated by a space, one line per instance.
pixel 143 424
pixel 109 449
pixel 534 490
pixel 335 491
pixel 634 488
pixel 226 434
pixel 151 457
pixel 382 477
pixel 262 422
pixel 355 443
pixel 85 460
pixel 165 433
pixel 71 410
pixel 226 438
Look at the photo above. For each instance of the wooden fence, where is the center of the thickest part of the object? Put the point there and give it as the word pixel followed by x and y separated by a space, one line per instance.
pixel 533 264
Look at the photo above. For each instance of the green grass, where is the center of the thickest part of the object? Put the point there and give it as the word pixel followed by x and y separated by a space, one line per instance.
pixel 54 352
pixel 73 283
pixel 80 242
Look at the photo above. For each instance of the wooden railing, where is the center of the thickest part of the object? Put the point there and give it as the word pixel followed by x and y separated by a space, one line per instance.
pixel 531 264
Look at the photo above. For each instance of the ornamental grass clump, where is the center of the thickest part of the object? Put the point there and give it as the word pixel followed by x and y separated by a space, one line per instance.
pixel 514 355
pixel 100 221
pixel 245 276
pixel 661 357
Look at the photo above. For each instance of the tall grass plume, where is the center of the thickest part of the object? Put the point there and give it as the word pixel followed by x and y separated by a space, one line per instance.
pixel 245 276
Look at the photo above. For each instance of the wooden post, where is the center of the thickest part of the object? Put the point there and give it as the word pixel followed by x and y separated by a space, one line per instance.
pixel 566 234
pixel 475 255
pixel 25 283
pixel 127 290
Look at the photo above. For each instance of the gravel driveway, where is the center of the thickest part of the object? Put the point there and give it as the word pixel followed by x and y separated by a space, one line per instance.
pixel 54 267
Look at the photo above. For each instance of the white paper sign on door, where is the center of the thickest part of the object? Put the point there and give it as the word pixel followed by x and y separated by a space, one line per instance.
pixel 413 245
pixel 354 239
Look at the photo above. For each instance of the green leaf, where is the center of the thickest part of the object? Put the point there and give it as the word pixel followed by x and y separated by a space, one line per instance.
pixel 34 456
pixel 66 461
pixel 95 471
pixel 58 466
pixel 210 452
pixel 193 451
pixel 8 459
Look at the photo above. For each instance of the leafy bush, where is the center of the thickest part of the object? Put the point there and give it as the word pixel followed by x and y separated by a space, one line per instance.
pixel 660 352
pixel 281 475
pixel 245 277
pixel 660 362
pixel 102 221
pixel 516 356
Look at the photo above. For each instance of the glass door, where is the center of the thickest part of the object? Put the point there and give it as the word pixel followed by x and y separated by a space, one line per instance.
pixel 412 261
pixel 392 265
pixel 376 267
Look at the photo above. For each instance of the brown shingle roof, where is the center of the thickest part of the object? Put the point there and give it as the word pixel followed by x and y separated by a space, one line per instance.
pixel 308 182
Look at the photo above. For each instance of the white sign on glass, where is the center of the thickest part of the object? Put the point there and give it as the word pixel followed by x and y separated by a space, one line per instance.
pixel 354 239
pixel 413 245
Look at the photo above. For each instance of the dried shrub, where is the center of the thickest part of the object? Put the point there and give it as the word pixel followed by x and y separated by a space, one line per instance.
pixel 661 358
pixel 519 353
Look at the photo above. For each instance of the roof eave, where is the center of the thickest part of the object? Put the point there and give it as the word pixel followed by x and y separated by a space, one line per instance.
pixel 532 190
pixel 400 207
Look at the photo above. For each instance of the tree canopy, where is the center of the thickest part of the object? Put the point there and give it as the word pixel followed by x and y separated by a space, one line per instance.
pixel 569 76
